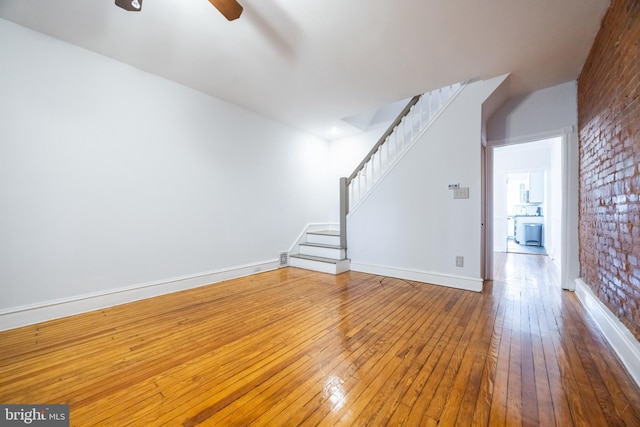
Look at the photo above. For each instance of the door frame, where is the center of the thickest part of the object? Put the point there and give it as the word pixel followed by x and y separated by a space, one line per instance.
pixel 569 259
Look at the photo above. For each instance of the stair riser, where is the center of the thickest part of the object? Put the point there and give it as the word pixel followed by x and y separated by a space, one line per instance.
pixel 323 239
pixel 322 267
pixel 323 252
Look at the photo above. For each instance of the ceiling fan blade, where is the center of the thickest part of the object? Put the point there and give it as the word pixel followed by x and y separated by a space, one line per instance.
pixel 231 9
pixel 130 5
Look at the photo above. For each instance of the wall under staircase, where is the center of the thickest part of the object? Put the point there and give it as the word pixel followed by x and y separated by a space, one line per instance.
pixel 411 226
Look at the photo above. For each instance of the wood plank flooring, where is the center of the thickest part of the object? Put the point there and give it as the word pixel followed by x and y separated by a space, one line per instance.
pixel 293 347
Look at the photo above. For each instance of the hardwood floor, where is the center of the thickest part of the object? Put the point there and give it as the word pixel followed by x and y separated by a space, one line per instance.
pixel 293 347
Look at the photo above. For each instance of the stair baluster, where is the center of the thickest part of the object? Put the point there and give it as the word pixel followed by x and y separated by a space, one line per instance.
pixel 399 137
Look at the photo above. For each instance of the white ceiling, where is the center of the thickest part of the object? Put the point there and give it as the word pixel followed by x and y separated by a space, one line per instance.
pixel 310 63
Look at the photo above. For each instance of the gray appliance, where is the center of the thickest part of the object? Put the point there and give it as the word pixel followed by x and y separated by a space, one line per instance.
pixel 532 234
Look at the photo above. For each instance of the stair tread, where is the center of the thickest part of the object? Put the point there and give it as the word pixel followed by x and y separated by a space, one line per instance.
pixel 317 258
pixel 321 245
pixel 325 232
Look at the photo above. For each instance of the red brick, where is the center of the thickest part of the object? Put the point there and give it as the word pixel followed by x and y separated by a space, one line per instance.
pixel 609 132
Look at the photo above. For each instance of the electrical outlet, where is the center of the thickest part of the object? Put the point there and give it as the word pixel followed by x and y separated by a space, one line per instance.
pixel 459 261
pixel 461 193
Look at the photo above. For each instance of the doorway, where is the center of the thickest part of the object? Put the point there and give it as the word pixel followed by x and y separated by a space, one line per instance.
pixel 549 163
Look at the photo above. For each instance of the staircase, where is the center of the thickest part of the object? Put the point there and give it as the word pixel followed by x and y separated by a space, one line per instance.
pixel 325 250
pixel 321 251
pixel 404 132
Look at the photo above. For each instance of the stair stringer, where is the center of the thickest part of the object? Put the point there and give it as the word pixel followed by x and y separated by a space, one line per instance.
pixel 409 146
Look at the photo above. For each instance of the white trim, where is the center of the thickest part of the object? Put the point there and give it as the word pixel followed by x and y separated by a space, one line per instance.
pixel 621 339
pixel 429 277
pixel 569 264
pixel 569 243
pixel 531 137
pixel 15 317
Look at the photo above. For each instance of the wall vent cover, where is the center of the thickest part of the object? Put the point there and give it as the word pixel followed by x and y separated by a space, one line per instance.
pixel 284 259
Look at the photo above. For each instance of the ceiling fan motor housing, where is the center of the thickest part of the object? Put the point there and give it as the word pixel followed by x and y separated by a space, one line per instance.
pixel 130 5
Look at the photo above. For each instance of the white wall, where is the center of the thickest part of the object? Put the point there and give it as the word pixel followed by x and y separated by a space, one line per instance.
pixel 541 111
pixel 111 177
pixel 347 153
pixel 411 226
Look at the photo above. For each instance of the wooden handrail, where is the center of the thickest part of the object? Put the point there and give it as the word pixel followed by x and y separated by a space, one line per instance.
pixel 384 136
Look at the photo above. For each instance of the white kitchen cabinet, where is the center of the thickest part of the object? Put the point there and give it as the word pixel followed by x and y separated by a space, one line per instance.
pixel 536 187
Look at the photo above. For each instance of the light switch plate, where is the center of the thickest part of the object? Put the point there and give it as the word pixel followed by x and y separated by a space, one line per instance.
pixel 461 193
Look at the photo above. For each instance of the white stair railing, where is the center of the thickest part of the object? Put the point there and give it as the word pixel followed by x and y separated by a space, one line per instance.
pixel 405 130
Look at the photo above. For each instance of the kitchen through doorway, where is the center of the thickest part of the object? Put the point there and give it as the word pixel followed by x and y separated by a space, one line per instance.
pixel 525 215
pixel 527 202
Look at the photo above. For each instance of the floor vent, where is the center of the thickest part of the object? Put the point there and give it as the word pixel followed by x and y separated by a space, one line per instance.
pixel 284 259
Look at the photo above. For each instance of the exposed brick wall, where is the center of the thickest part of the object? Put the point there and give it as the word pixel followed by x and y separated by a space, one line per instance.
pixel 609 129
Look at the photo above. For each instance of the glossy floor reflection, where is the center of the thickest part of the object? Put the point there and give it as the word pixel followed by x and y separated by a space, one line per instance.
pixel 292 347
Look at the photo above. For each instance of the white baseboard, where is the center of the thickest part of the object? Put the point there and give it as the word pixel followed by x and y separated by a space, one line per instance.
pixel 621 339
pixel 459 282
pixel 15 317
